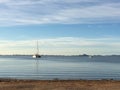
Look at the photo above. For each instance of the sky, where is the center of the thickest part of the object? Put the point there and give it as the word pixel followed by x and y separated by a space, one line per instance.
pixel 62 27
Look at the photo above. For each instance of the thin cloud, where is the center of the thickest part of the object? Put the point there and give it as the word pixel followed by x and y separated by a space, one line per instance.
pixel 63 45
pixel 26 12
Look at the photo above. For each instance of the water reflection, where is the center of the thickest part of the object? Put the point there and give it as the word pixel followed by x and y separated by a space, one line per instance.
pixel 60 67
pixel 37 67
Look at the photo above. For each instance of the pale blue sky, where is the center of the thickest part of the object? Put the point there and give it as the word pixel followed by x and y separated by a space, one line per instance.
pixel 61 26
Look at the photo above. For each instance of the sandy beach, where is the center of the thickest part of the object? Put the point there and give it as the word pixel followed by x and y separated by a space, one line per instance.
pixel 59 85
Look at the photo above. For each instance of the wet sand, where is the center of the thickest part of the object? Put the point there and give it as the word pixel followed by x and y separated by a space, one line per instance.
pixel 59 85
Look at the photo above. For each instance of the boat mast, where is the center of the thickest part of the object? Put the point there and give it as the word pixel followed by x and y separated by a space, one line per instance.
pixel 37 48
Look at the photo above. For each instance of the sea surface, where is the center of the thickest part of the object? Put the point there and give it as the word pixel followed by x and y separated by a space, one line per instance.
pixel 60 67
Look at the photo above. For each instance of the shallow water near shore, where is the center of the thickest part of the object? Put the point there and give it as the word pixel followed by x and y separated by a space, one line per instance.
pixel 60 67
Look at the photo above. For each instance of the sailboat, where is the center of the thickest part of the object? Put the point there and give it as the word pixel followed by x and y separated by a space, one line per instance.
pixel 37 53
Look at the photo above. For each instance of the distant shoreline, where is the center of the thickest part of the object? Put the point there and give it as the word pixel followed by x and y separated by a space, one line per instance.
pixel 58 55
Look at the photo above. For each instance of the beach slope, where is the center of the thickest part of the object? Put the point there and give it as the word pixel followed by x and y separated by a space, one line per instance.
pixel 59 85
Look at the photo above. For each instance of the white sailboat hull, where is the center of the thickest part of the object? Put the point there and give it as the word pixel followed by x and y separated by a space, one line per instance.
pixel 36 56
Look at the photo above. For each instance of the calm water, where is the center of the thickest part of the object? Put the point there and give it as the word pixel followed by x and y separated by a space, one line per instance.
pixel 61 67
